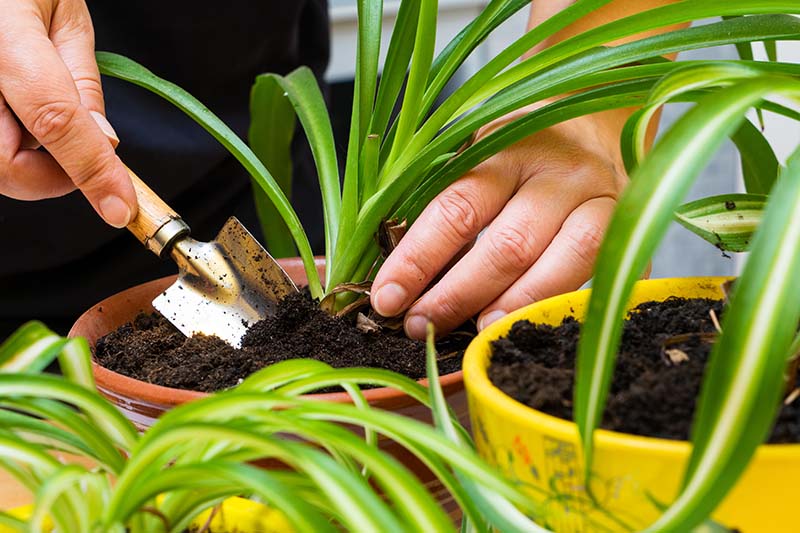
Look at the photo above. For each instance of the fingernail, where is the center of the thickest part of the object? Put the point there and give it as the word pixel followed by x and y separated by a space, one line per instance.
pixel 389 299
pixel 115 211
pixel 416 326
pixel 487 319
pixel 105 125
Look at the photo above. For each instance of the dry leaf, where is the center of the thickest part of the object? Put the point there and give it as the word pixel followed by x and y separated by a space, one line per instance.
pixel 676 356
pixel 365 324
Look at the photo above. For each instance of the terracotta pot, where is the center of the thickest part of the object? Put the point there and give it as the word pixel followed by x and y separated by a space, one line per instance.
pixel 144 402
pixel 630 473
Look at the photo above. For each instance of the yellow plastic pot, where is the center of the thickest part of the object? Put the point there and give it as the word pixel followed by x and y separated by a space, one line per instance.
pixel 632 475
pixel 235 515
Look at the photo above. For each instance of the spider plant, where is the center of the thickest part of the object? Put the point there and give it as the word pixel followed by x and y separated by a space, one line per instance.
pixel 198 455
pixel 182 472
pixel 744 382
pixel 395 166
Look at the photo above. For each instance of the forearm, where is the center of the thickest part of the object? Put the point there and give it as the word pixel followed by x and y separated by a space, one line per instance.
pixel 614 10
pixel 606 127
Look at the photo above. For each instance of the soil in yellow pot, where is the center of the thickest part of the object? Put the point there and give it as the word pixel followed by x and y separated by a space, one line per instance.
pixel 632 475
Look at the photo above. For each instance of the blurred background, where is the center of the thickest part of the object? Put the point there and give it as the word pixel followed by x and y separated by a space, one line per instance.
pixel 681 253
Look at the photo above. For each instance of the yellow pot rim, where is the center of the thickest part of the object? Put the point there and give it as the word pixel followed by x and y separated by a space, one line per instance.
pixel 480 387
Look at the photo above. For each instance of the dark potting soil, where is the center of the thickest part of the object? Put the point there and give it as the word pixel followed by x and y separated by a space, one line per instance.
pixel 152 350
pixel 651 393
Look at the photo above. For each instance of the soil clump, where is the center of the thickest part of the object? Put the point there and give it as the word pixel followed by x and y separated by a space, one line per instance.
pixel 152 350
pixel 657 378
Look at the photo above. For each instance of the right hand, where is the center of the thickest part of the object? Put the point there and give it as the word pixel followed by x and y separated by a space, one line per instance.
pixel 50 95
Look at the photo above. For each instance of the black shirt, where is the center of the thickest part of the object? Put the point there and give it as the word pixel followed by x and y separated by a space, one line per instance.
pixel 57 257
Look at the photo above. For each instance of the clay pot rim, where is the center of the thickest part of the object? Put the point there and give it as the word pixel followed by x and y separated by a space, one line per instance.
pixel 119 384
pixel 111 381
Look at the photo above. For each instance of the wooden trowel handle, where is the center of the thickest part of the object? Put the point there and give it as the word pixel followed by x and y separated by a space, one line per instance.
pixel 156 225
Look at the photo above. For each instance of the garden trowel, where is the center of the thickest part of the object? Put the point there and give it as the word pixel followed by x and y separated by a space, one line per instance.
pixel 223 286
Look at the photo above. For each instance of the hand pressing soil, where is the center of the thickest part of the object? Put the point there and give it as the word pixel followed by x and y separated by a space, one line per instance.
pixel 659 371
pixel 152 350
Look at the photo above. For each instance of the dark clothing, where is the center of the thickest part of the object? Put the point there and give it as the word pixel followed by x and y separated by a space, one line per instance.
pixel 58 257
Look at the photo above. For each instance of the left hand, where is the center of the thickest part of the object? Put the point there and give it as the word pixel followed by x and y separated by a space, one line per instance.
pixel 542 206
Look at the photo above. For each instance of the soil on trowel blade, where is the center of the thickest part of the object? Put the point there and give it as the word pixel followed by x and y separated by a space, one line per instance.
pixel 659 369
pixel 152 350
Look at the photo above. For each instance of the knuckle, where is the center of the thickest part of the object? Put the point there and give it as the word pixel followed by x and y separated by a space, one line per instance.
pixel 449 311
pixel 95 173
pixel 512 249
pixel 529 294
pixel 417 267
pixel 51 122
pixel 461 213
pixel 583 242
pixel 88 85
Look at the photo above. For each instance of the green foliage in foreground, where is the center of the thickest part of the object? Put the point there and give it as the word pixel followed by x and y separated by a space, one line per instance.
pixel 198 454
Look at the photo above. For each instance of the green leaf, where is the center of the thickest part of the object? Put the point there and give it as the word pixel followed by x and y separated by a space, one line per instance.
pixel 369 166
pixel 56 487
pixel 771 49
pixel 282 373
pixel 450 107
pixel 302 89
pixel 89 429
pixel 237 478
pixel 123 68
pixel 743 384
pixel 12 522
pixel 351 188
pixel 639 223
pixel 370 18
pixel 541 85
pixel 272 123
pixel 398 55
pixel 359 506
pixel 457 51
pixel 113 423
pixel 30 349
pixel 759 164
pixel 421 60
pixel 499 511
pixel 769 14
pixel 745 51
pixel 675 84
pixel 727 221
pixel 592 101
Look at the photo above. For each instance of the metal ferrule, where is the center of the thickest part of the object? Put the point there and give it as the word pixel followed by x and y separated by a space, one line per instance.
pixel 165 237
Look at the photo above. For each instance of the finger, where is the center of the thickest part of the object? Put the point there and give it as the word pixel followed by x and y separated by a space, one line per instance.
pixel 450 222
pixel 43 95
pixel 25 173
pixel 564 266
pixel 72 35
pixel 508 247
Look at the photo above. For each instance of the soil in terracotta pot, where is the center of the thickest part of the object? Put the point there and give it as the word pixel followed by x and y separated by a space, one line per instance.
pixel 654 388
pixel 152 350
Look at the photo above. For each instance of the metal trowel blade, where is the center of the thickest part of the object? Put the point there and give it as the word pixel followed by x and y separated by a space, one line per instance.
pixel 224 286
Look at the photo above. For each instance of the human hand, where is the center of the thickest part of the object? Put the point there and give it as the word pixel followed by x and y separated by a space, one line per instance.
pixel 542 204
pixel 49 80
